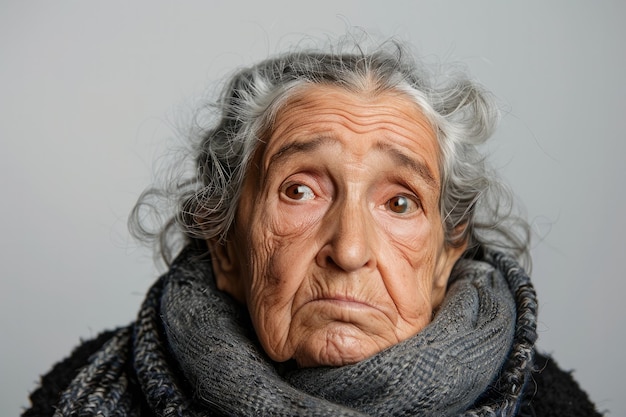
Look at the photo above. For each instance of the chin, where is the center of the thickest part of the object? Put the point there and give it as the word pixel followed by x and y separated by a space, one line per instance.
pixel 341 345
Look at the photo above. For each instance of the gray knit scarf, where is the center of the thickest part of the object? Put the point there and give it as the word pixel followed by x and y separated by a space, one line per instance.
pixel 193 352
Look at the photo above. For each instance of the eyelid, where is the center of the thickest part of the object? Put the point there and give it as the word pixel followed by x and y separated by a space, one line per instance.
pixel 313 177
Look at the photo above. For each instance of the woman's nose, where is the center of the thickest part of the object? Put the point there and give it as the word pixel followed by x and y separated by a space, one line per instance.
pixel 348 244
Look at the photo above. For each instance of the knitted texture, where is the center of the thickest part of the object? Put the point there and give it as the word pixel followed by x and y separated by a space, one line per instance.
pixel 555 386
pixel 102 386
pixel 44 399
pixel 192 351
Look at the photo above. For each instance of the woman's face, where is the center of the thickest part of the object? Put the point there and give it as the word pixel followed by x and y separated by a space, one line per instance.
pixel 338 246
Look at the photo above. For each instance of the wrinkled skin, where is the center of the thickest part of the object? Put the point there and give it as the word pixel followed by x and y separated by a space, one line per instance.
pixel 338 246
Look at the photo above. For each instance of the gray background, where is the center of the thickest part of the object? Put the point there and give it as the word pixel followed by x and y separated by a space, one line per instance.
pixel 91 96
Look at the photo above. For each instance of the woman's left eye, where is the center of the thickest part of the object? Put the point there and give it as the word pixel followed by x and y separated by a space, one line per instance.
pixel 299 192
pixel 401 204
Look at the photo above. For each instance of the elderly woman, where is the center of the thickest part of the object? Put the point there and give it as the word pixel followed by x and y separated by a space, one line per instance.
pixel 342 250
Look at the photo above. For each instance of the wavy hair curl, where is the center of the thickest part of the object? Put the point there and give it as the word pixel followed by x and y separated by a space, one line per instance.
pixel 476 207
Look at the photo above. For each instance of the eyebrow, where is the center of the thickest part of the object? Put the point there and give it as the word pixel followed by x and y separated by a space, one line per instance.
pixel 297 147
pixel 399 157
pixel 405 160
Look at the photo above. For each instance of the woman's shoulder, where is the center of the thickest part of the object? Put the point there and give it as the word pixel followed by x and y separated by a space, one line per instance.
pixel 554 392
pixel 46 396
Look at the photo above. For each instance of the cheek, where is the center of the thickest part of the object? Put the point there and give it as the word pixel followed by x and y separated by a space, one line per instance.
pixel 280 243
pixel 280 254
pixel 415 241
pixel 408 265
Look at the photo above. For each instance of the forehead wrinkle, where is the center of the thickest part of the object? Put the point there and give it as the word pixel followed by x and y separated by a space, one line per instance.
pixel 405 160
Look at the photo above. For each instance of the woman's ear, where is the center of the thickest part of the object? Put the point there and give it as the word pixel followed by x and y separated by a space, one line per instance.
pixel 224 256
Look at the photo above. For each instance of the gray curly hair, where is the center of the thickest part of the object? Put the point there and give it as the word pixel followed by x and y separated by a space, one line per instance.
pixel 476 207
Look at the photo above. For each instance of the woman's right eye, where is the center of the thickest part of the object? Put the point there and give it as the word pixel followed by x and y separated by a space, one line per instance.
pixel 299 192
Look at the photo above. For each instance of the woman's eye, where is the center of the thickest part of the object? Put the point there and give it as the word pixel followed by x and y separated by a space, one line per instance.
pixel 402 205
pixel 299 192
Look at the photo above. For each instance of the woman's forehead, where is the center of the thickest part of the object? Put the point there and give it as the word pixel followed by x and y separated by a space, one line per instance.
pixel 361 107
pixel 329 116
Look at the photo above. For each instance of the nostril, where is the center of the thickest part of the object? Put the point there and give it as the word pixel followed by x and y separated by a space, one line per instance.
pixel 330 261
pixel 327 260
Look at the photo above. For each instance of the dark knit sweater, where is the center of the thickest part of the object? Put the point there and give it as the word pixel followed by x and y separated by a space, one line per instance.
pixel 551 393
